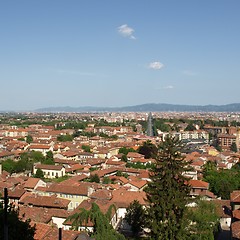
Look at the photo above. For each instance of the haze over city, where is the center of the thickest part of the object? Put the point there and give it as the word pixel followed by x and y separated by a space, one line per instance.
pixel 118 53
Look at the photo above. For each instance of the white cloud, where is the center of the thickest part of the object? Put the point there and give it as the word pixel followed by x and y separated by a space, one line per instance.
pixel 189 73
pixel 168 87
pixel 155 65
pixel 126 31
pixel 165 87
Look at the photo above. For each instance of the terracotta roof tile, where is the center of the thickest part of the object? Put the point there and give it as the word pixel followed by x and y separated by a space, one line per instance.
pixel 81 189
pixel 41 230
pixel 31 182
pixel 40 214
pixel 44 201
pixel 236 214
pixel 236 230
pixel 122 198
pixel 235 196
pixel 49 167
pixel 198 184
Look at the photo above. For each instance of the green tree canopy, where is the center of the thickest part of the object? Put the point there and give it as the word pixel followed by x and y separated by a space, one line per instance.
pixel 48 158
pixel 39 173
pixel 204 220
pixel 190 127
pixel 233 147
pixel 29 139
pixel 168 193
pixel 65 138
pixel 136 217
pixel 86 148
pixel 223 182
pixel 102 229
pixel 161 125
pixel 148 149
pixel 94 178
pixel 126 150
pixel 209 167
pixel 17 229
pixel 8 165
pixel 124 158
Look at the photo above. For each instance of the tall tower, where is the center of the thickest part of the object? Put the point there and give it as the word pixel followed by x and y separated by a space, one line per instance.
pixel 150 125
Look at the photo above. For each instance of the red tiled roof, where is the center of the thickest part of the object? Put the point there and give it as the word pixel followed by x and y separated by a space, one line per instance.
pixel 236 230
pixel 144 174
pixel 235 196
pixel 41 230
pixel 66 234
pixel 135 155
pixel 198 184
pixel 236 214
pixel 139 184
pixel 39 146
pixel 40 214
pixel 44 201
pixel 70 154
pixel 103 172
pixel 103 194
pixel 122 198
pixel 16 193
pixel 6 154
pixel 49 167
pixel 31 182
pixel 82 189
pixel 74 167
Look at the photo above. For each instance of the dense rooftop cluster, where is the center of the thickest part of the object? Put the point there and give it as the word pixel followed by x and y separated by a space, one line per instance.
pixel 55 164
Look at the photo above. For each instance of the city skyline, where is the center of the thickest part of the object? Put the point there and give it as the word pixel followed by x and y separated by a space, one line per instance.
pixel 114 54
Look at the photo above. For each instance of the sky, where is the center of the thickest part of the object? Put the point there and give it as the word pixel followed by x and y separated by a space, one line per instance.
pixel 118 53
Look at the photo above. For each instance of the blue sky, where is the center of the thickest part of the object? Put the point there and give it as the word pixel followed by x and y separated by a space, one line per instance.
pixel 118 53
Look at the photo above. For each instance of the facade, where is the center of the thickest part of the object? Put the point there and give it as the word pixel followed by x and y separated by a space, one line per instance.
pixel 50 171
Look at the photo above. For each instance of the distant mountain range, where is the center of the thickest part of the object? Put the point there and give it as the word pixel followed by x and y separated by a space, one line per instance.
pixel 149 107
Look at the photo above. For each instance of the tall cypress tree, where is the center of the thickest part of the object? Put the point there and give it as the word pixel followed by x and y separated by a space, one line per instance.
pixel 168 191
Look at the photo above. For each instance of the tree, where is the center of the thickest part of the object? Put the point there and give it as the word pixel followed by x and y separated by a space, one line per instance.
pixel 39 173
pixel 21 166
pixel 34 156
pixel 102 229
pixel 16 228
pixel 233 147
pixel 126 150
pixel 168 192
pixel 190 127
pixel 161 125
pixel 121 174
pixel 65 138
pixel 223 182
pixel 94 178
pixel 124 158
pixel 217 146
pixel 204 219
pixel 49 158
pixel 136 217
pixel 148 149
pixel 106 180
pixel 29 139
pixel 8 165
pixel 86 148
pixel 209 167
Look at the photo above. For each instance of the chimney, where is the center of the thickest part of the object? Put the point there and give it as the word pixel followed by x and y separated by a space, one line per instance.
pixel 90 191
